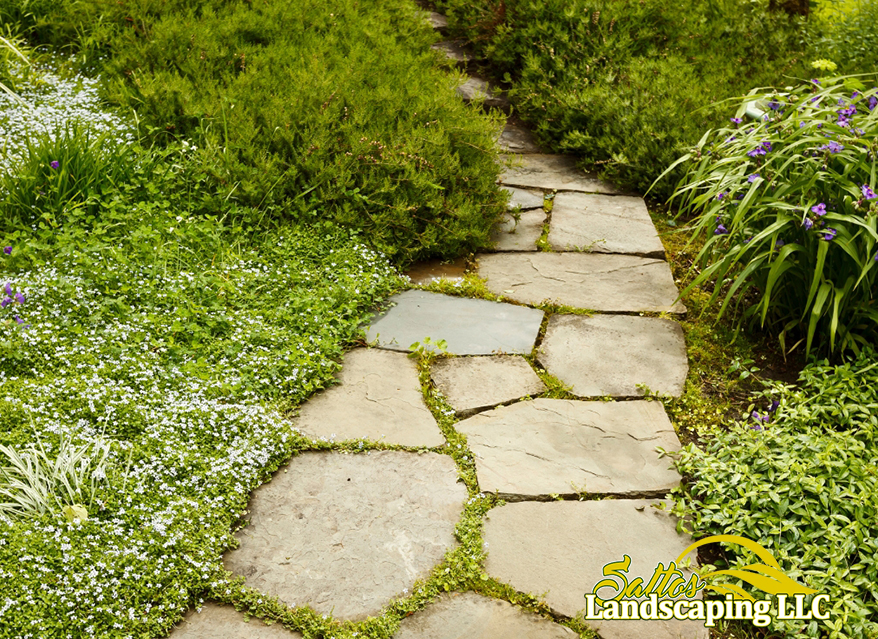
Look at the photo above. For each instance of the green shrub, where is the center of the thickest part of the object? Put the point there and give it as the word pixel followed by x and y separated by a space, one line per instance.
pixel 804 485
pixel 308 110
pixel 789 202
pixel 849 37
pixel 627 85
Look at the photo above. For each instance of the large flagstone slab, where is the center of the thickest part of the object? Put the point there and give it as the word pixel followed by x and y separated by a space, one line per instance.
pixel 611 283
pixel 469 326
pixel 603 224
pixel 552 172
pixel 347 533
pixel 561 548
pixel 475 383
pixel 525 198
pixel 224 622
pixel 520 236
pixel 479 90
pixel 538 448
pixel 614 354
pixel 517 139
pixel 379 398
pixel 471 616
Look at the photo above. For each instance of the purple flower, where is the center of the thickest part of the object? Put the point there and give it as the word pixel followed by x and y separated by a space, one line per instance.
pixel 736 120
pixel 19 298
pixel 819 209
pixel 721 230
pixel 854 95
pixel 779 244
pixel 751 179
pixel 774 105
pixel 756 152
pixel 807 223
pixel 829 234
pixel 730 139
pixel 6 302
pixel 773 406
pixel 815 81
pixel 868 193
pixel 54 164
pixel 18 319
pixel 7 250
pixel 873 102
pixel 720 196
pixel 801 125
pixel 832 147
pixel 8 289
pixel 841 102
pixel 766 146
pixel 876 256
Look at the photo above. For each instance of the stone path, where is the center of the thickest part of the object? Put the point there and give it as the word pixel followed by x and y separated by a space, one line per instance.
pixel 346 534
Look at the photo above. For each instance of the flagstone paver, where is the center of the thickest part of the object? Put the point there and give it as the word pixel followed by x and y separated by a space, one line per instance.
pixel 612 354
pixel 557 172
pixel 553 446
pixel 471 616
pixel 474 89
pixel 454 50
pixel 603 223
pixel 614 283
pixel 510 235
pixel 526 199
pixel 469 326
pixel 224 622
pixel 347 533
pixel 437 21
pixel 379 398
pixel 517 139
pixel 475 383
pixel 560 549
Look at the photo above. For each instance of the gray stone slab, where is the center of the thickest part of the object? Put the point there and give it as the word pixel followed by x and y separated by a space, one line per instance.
pixel 379 398
pixel 476 89
pixel 517 139
pixel 437 21
pixel 469 326
pixel 560 549
pixel 454 50
pixel 538 448
pixel 475 383
pixel 603 223
pixel 558 172
pixel 346 533
pixel 611 283
pixel 612 354
pixel 224 622
pixel 471 616
pixel 524 198
pixel 522 235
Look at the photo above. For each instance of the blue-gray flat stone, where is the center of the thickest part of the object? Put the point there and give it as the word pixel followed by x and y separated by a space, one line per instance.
pixel 559 172
pixel 469 326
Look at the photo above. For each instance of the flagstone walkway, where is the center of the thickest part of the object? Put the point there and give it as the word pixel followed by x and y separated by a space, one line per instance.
pixel 345 534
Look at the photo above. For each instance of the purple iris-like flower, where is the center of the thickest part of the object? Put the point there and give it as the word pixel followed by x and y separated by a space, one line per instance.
pixel 807 223
pixel 876 256
pixel 8 289
pixel 720 196
pixel 5 302
pixel 779 244
pixel 721 230
pixel 868 193
pixel 18 319
pixel 766 146
pixel 848 112
pixel 19 298
pixel 773 406
pixel 832 147
pixel 54 164
pixel 819 209
pixel 736 120
pixel 873 102
pixel 815 81
pixel 7 250
pixel 729 139
pixel 751 179
pixel 739 196
pixel 756 152
pixel 801 125
pixel 829 234
pixel 774 105
pixel 843 122
pixel 855 95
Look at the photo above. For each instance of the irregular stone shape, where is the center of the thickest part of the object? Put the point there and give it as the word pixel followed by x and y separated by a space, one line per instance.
pixel 474 89
pixel 476 383
pixel 555 446
pixel 471 616
pixel 433 270
pixel 517 139
pixel 604 224
pixel 454 50
pixel 437 21
pixel 612 354
pixel 469 326
pixel 522 236
pixel 345 534
pixel 379 398
pixel 560 548
pixel 525 199
pixel 611 283
pixel 224 622
pixel 557 172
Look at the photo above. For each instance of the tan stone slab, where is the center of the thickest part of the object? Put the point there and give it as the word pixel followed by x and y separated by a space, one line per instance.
pixel 522 235
pixel 224 622
pixel 612 354
pixel 609 283
pixel 379 398
pixel 560 549
pixel 347 533
pixel 603 224
pixel 535 449
pixel 553 172
pixel 476 383
pixel 471 616
pixel 475 89
pixel 526 199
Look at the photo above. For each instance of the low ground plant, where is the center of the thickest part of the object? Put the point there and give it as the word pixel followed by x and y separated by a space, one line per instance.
pixel 789 209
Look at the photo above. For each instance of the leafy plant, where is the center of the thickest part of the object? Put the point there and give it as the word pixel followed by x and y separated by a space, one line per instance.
pixel 789 209
pixel 847 34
